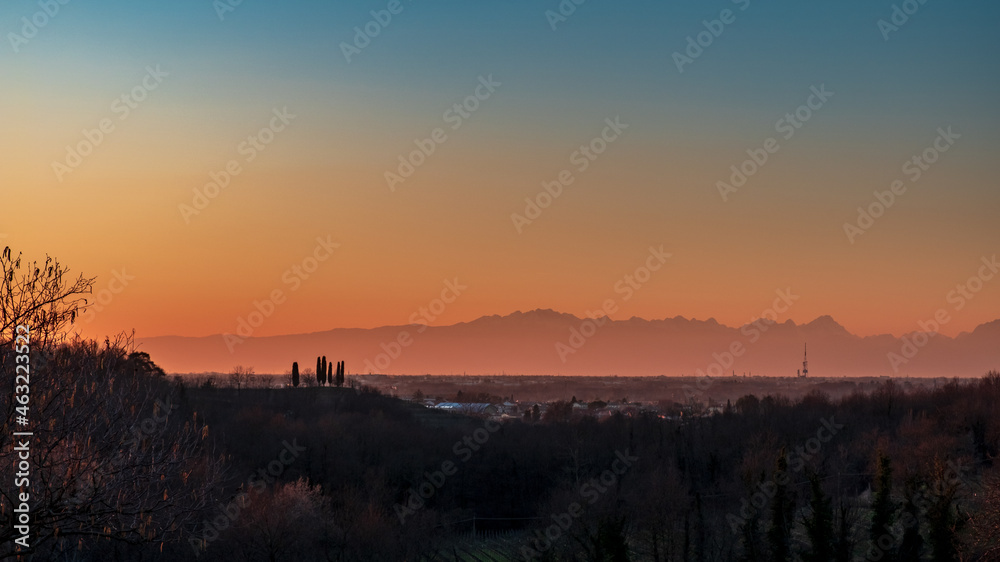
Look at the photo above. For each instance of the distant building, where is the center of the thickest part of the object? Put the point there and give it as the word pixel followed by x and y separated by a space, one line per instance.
pixel 471 408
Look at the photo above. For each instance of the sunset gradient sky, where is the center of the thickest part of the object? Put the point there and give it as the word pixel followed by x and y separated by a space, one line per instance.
pixel 656 184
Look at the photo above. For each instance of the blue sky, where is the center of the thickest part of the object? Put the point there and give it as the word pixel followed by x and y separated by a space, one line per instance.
pixel 607 59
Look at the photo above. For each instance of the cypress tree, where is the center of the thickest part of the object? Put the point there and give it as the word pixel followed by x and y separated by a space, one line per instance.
pixel 844 545
pixel 749 537
pixel 819 524
pixel 610 543
pixel 913 543
pixel 319 365
pixel 882 508
pixel 322 372
pixel 782 508
pixel 699 530
pixel 942 519
pixel 295 373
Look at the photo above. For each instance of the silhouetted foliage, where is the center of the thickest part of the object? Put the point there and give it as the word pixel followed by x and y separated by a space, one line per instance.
pixel 122 465
pixel 883 508
pixel 844 544
pixel 911 546
pixel 142 363
pixel 674 503
pixel 819 523
pixel 239 376
pixel 782 508
pixel 943 518
pixel 39 295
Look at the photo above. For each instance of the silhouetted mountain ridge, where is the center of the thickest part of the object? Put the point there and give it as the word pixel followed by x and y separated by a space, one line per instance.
pixel 548 342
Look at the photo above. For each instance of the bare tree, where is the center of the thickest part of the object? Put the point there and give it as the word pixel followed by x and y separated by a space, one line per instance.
pixel 290 521
pixel 240 376
pixel 985 524
pixel 39 296
pixel 116 466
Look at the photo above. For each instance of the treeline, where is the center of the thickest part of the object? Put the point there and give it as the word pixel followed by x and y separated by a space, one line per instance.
pixel 139 468
pixel 885 475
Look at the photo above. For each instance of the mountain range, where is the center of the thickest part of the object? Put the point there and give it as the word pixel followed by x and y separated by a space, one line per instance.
pixel 546 342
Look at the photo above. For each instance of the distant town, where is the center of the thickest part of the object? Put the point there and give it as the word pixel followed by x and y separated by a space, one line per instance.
pixel 565 398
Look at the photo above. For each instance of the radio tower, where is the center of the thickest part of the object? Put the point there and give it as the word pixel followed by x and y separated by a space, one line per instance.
pixel 805 361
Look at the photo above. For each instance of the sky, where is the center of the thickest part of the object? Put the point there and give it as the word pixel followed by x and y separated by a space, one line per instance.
pixel 250 159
